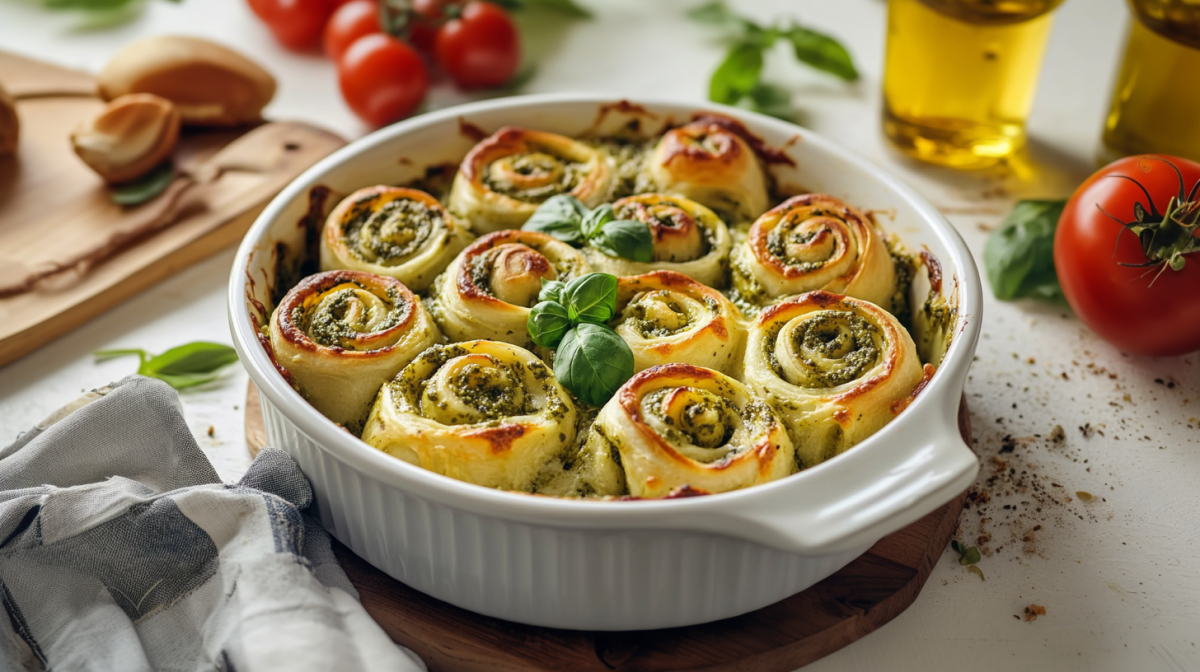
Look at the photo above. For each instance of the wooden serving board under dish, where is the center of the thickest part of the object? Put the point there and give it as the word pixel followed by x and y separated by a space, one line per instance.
pixel 57 219
pixel 805 627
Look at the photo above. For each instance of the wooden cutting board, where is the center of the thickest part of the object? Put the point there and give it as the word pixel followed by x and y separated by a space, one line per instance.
pixel 805 627
pixel 58 220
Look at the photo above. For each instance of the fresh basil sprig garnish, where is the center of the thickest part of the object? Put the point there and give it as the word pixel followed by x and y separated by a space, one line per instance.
pixel 182 366
pixel 570 221
pixel 738 80
pixel 593 361
pixel 548 323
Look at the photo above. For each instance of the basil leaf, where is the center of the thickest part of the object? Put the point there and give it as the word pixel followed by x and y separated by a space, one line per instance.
pixel 568 7
pixel 551 290
pixel 714 13
pixel 560 216
pixel 145 187
pixel 593 362
pixel 737 75
pixel 548 323
pixel 821 52
pixel 591 298
pixel 1019 256
pixel 596 219
pixel 198 357
pixel 626 238
pixel 180 367
pixel 770 100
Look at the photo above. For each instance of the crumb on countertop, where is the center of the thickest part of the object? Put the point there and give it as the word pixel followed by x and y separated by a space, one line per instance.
pixel 1033 611
pixel 211 430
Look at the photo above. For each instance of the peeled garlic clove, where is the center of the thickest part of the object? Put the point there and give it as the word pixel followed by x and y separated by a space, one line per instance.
pixel 129 137
pixel 209 84
pixel 10 126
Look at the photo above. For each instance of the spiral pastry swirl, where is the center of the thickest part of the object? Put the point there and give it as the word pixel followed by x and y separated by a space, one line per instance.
pixel 679 425
pixel 402 233
pixel 813 242
pixel 836 366
pixel 505 177
pixel 668 317
pixel 710 161
pixel 688 238
pixel 341 334
pixel 487 291
pixel 483 412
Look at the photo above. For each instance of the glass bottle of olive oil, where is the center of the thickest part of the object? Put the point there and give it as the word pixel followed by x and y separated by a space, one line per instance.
pixel 1156 99
pixel 960 76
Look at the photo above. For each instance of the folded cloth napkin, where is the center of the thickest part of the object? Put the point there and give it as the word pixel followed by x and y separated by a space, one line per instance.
pixel 122 550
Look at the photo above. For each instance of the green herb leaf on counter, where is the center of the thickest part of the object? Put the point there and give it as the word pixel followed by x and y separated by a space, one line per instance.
pixel 967 555
pixel 567 219
pixel 182 366
pixel 1019 255
pixel 100 13
pixel 145 187
pixel 593 362
pixel 822 52
pixel 548 323
pixel 591 298
pixel 737 80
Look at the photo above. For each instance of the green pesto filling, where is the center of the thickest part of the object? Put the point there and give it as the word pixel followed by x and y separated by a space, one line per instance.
pixel 392 233
pixel 327 322
pixel 846 340
pixel 572 173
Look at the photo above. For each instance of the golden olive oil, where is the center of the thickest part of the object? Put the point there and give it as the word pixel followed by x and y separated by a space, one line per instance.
pixel 1156 99
pixel 960 76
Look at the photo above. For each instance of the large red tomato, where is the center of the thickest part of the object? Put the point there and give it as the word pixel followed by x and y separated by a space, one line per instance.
pixel 382 78
pixel 1142 294
pixel 481 48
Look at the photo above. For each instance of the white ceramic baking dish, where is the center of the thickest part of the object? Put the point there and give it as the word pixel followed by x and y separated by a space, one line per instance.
pixel 611 565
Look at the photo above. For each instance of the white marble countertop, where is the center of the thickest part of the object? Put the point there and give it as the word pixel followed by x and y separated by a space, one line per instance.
pixel 1117 575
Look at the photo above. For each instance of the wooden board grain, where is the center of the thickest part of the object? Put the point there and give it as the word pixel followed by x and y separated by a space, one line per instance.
pixel 858 599
pixel 54 209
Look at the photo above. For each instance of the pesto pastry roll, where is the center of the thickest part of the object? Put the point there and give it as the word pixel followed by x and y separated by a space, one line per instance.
pixel 505 177
pixel 402 233
pixel 838 368
pixel 711 160
pixel 341 334
pixel 482 412
pixel 668 317
pixel 487 291
pixel 688 238
pixel 813 242
pixel 680 425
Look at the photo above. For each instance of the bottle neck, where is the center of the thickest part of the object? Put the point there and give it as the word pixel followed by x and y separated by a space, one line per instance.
pixel 1176 20
pixel 993 12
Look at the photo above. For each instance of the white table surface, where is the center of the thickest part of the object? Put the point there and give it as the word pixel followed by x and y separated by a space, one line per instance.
pixel 1119 577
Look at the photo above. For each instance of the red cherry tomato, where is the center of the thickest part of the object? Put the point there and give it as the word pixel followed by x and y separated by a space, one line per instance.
pixel 350 22
pixel 297 24
pixel 382 78
pixel 1132 299
pixel 480 48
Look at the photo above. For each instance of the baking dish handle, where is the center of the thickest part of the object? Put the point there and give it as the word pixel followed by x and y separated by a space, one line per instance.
pixel 853 501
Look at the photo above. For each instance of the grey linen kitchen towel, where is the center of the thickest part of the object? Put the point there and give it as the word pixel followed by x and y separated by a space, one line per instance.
pixel 120 549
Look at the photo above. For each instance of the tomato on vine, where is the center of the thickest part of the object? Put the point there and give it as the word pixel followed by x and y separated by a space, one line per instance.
pixel 1126 254
pixel 479 48
pixel 382 79
pixel 297 24
pixel 350 22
